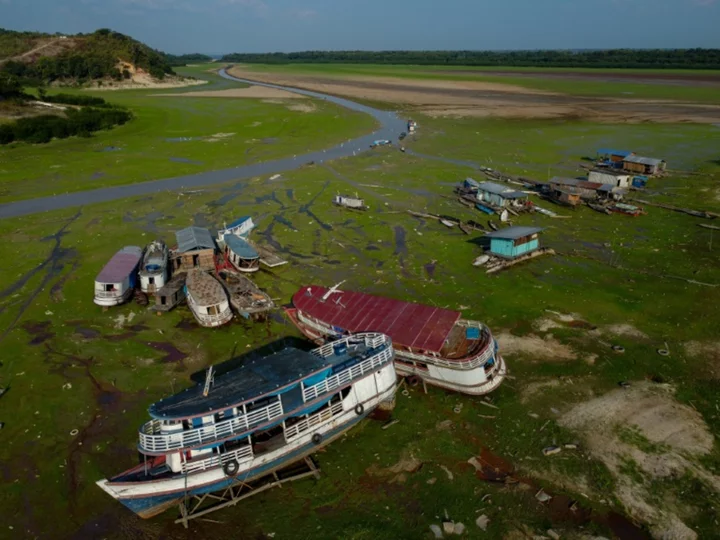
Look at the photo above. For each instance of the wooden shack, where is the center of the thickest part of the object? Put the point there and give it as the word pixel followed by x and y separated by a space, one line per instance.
pixel 195 249
pixel 610 177
pixel 611 157
pixel 586 190
pixel 514 242
pixel 644 165
pixel 497 196
pixel 171 294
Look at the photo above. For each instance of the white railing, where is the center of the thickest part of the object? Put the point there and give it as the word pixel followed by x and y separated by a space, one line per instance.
pixel 153 440
pixel 346 376
pixel 110 294
pixel 244 453
pixel 370 340
pixel 312 324
pixel 472 363
pixel 219 318
pixel 313 421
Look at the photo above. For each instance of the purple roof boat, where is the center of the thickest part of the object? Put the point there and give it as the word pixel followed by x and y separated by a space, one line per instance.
pixel 116 281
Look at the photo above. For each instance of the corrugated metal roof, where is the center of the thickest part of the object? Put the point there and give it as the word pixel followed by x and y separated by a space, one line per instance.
pixel 121 265
pixel 412 325
pixel 644 160
pixel 194 238
pixel 502 191
pixel 238 221
pixel 609 172
pixel 611 152
pixel 240 247
pixel 584 184
pixel 513 233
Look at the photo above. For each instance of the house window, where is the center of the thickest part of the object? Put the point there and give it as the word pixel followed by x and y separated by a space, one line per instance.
pixel 151 281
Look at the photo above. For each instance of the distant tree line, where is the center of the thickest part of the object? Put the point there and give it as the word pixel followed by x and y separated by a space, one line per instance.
pixel 185 59
pixel 615 58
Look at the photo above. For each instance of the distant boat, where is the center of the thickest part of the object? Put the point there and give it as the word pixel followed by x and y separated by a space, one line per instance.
pixel 492 225
pixel 599 208
pixel 244 424
pixel 447 223
pixel 354 203
pixel 481 260
pixel 207 299
pixel 245 296
pixel 154 269
pixel 115 283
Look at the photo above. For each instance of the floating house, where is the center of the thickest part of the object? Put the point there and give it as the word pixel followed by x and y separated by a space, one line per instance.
pixel 612 158
pixel 610 178
pixel 116 282
pixel 514 242
pixel 240 227
pixel 586 190
pixel 470 185
pixel 207 299
pixel 154 269
pixel 355 203
pixel 172 294
pixel 433 344
pixel 245 424
pixel 195 249
pixel 240 254
pixel 498 196
pixel 644 165
pixel 567 196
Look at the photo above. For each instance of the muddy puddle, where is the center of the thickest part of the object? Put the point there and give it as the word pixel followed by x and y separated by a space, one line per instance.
pixel 290 193
pixel 97 175
pixel 283 220
pixel 173 355
pixel 400 245
pixel 271 197
pixel 39 331
pixel 560 508
pixel 430 269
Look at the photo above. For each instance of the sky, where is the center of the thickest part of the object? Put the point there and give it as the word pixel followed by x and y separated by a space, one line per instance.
pixel 224 26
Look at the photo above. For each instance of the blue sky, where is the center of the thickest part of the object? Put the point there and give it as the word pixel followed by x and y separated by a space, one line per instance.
pixel 219 26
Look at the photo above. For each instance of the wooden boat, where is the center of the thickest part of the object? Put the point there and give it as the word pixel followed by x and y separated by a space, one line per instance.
pixel 354 203
pixel 115 283
pixel 627 209
pixel 465 228
pixel 154 268
pixel 599 208
pixel 240 254
pixel 245 297
pixel 475 225
pixel 171 295
pixel 492 225
pixel 481 260
pixel 207 299
pixel 252 420
pixel 431 343
pixel 447 223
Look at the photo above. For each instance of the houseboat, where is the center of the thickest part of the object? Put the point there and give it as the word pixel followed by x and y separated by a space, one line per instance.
pixel 245 297
pixel 240 254
pixel 195 249
pixel 354 203
pixel 253 420
pixel 171 294
pixel 116 282
pixel 154 268
pixel 431 343
pixel 240 227
pixel 207 299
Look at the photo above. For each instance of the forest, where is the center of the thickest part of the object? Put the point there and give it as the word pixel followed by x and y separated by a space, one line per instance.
pixel 615 58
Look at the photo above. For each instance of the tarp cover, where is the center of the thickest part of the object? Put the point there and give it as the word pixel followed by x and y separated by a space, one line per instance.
pixel 412 325
pixel 120 266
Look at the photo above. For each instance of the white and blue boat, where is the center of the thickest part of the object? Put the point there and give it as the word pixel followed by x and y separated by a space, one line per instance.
pixel 240 254
pixel 254 420
pixel 240 227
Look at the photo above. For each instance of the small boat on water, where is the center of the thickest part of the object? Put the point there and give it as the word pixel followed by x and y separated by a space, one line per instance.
pixel 431 343
pixel 354 203
pixel 240 254
pixel 154 268
pixel 116 282
pixel 207 299
pixel 253 420
pixel 245 297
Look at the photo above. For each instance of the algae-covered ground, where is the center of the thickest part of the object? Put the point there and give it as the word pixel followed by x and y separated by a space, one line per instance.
pixel 80 379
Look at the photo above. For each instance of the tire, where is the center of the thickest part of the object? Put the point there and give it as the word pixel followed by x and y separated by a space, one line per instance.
pixel 413 380
pixel 663 352
pixel 359 409
pixel 316 438
pixel 231 468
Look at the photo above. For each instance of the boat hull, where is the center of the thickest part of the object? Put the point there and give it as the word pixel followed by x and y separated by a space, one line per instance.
pixel 148 499
pixel 109 301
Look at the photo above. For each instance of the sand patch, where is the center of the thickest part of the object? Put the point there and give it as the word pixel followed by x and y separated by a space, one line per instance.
pixel 251 92
pixel 643 426
pixel 302 107
pixel 407 464
pixel 706 349
pixel 625 330
pixel 547 348
pixel 545 324
pixel 534 388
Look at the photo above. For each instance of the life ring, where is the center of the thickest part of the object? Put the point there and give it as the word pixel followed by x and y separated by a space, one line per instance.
pixel 316 438
pixel 359 409
pixel 74 432
pixel 663 352
pixel 618 348
pixel 413 380
pixel 231 468
pixel 405 393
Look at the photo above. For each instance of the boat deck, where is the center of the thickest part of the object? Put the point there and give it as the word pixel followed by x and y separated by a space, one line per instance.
pixel 458 345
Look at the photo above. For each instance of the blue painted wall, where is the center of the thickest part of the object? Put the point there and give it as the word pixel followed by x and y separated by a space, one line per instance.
pixel 505 248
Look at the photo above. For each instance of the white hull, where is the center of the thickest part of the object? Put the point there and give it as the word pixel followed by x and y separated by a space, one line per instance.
pixel 115 300
pixel 369 392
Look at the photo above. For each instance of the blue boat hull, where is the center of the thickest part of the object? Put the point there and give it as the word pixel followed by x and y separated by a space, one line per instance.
pixel 151 506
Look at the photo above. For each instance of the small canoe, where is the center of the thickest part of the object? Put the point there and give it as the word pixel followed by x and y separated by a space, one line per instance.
pixel 492 225
pixel 599 208
pixel 447 223
pixel 481 260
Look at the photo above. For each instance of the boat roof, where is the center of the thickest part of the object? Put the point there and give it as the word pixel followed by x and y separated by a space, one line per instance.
pixel 238 222
pixel 251 381
pixel 412 325
pixel 240 247
pixel 584 184
pixel 205 289
pixel 120 266
pixel 611 152
pixel 193 238
pixel 513 233
pixel 644 160
pixel 502 191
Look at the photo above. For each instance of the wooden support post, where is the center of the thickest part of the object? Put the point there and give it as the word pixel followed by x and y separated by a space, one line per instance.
pixel 424 386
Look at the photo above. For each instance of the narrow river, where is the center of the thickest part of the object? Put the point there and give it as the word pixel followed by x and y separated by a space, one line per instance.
pixel 390 127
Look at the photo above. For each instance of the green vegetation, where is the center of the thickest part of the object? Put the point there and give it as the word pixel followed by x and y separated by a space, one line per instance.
pixel 614 58
pixel 175 60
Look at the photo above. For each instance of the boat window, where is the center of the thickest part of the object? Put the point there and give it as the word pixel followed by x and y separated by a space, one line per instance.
pixel 212 310
pixel 163 300
pixel 151 281
pixel 109 287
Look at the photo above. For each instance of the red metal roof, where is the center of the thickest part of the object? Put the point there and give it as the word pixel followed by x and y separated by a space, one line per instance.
pixel 120 266
pixel 412 325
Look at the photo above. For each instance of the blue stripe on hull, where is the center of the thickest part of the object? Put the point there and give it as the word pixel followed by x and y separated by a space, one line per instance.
pixel 147 504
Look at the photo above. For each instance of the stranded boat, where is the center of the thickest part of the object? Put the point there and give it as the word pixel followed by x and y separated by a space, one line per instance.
pixel 207 299
pixel 431 343
pixel 154 268
pixel 254 420
pixel 115 283
pixel 245 296
pixel 240 254
pixel 354 203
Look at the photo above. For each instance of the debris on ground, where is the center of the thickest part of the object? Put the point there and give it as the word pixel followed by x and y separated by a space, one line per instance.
pixel 482 522
pixel 459 528
pixel 390 423
pixel 542 496
pixel 552 534
pixel 431 481
pixel 448 527
pixel 475 463
pixel 444 425
pixel 448 472
pixel 551 450
pixel 436 530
